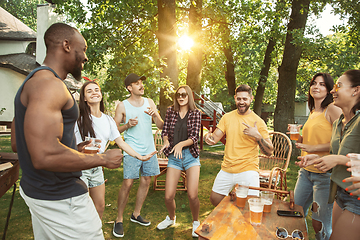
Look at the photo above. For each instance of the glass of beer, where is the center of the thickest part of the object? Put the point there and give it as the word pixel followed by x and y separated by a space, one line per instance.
pixel 355 164
pixel 268 198
pixel 93 146
pixel 294 132
pixel 241 194
pixel 256 206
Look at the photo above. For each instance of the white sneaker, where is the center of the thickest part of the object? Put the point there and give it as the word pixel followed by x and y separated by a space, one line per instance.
pixel 196 224
pixel 166 223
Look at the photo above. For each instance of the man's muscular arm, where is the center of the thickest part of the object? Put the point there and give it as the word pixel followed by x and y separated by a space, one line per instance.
pixel 45 96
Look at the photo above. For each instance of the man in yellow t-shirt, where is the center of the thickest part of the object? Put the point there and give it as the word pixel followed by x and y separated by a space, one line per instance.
pixel 245 133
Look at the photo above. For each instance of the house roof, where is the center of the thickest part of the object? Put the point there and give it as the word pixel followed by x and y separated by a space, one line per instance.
pixel 24 63
pixel 12 28
pixel 19 62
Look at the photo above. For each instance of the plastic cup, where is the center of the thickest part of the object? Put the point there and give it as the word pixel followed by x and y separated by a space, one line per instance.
pixel 268 198
pixel 294 132
pixel 93 146
pixel 355 164
pixel 241 194
pixel 256 206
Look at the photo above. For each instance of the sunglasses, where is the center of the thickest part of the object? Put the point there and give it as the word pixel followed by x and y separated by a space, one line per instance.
pixel 282 233
pixel 338 85
pixel 181 95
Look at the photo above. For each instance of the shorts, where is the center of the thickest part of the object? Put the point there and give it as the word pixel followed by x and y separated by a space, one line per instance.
pixel 70 218
pixel 225 181
pixel 132 166
pixel 93 177
pixel 345 201
pixel 187 161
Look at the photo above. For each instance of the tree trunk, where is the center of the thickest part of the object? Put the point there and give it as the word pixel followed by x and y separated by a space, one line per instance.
pixel 263 77
pixel 167 49
pixel 193 78
pixel 285 103
pixel 230 66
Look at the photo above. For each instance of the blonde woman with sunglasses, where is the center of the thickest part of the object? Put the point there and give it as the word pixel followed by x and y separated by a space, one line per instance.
pixel 345 139
pixel 181 135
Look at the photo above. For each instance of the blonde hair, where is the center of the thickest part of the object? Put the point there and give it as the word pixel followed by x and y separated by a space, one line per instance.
pixel 191 102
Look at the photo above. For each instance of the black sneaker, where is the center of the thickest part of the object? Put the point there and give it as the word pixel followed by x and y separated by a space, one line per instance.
pixel 118 230
pixel 139 220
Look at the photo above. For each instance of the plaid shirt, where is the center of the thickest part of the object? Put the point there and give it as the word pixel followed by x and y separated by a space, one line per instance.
pixel 193 127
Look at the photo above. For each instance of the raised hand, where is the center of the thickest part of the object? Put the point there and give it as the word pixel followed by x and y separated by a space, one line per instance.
pixel 132 122
pixel 150 111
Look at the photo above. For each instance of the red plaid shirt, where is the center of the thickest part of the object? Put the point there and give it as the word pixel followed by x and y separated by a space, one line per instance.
pixel 193 127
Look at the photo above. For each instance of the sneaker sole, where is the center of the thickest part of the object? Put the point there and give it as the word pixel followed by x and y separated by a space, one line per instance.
pixel 143 224
pixel 117 235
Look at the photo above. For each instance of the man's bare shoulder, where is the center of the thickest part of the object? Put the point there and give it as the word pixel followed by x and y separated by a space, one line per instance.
pixel 45 86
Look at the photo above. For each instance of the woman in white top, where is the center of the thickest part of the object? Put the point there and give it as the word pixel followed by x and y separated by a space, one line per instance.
pixel 94 123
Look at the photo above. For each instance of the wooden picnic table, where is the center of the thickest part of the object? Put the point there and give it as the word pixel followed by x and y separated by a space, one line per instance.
pixel 227 221
pixel 8 178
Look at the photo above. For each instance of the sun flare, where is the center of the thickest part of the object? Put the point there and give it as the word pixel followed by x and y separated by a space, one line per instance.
pixel 185 42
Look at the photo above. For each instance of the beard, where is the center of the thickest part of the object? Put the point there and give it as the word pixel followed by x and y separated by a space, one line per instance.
pixel 76 71
pixel 242 110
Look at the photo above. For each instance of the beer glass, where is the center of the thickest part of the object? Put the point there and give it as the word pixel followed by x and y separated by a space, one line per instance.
pixel 93 146
pixel 355 164
pixel 268 198
pixel 256 206
pixel 241 194
pixel 294 132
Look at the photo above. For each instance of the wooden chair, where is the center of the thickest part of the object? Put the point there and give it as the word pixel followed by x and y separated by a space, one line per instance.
pixel 159 184
pixel 273 168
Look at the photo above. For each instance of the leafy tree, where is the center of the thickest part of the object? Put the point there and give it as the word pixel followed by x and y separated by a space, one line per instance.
pixel 24 10
pixel 284 111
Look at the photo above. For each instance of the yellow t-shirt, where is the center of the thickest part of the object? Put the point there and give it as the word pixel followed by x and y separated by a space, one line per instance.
pixel 317 130
pixel 241 151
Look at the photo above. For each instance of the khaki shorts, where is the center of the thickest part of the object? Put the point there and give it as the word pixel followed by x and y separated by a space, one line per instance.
pixel 71 218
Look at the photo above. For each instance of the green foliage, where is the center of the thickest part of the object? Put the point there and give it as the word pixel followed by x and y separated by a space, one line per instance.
pixel 24 10
pixel 2 110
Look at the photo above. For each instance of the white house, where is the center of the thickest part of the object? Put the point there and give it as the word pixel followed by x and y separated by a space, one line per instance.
pixel 21 51
pixel 17 45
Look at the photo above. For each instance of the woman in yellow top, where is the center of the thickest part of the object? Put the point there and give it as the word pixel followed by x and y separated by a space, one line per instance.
pixel 313 185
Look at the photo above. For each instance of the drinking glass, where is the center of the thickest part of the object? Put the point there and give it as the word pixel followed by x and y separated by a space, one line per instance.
pixel 256 206
pixel 268 198
pixel 294 132
pixel 241 193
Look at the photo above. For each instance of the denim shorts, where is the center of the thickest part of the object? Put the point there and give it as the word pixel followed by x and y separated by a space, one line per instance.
pixel 345 201
pixel 93 177
pixel 187 161
pixel 132 166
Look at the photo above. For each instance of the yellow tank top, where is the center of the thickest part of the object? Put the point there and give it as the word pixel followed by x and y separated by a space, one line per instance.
pixel 317 130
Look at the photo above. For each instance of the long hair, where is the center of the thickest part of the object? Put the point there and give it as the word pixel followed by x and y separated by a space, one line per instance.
pixel 191 102
pixel 85 121
pixel 329 83
pixel 354 78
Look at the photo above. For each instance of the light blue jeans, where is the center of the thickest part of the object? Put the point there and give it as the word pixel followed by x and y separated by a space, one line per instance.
pixel 315 187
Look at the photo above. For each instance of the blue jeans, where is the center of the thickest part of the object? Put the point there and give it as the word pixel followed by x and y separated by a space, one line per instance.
pixel 187 161
pixel 315 187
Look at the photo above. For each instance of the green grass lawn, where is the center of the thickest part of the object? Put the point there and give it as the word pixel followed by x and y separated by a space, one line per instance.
pixel 154 207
